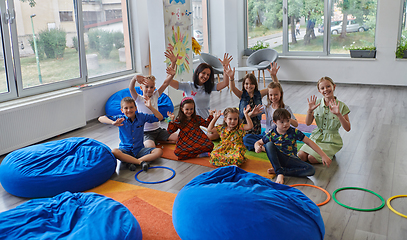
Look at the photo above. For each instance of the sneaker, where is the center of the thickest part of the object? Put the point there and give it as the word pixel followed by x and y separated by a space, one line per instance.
pixel 205 154
pixel 131 166
pixel 145 166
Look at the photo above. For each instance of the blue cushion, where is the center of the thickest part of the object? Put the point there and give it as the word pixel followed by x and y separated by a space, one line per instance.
pixel 112 106
pixel 70 216
pixel 230 203
pixel 45 170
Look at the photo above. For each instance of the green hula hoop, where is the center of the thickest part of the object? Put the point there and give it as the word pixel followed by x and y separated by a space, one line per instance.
pixel 358 209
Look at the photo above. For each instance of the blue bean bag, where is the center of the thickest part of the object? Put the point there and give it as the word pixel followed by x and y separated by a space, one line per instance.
pixel 70 216
pixel 230 203
pixel 45 170
pixel 112 106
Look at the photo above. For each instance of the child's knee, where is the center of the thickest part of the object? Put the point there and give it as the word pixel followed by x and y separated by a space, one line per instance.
pixel 302 155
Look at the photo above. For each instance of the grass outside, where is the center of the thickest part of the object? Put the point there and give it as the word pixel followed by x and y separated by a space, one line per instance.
pixel 261 31
pixel 338 44
pixel 55 70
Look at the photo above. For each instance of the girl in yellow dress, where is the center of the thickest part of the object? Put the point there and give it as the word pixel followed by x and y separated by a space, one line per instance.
pixel 231 149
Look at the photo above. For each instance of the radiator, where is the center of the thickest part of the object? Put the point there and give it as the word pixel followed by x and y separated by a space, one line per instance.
pixel 30 122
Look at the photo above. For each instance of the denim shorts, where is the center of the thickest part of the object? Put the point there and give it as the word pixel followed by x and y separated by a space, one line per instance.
pixel 142 152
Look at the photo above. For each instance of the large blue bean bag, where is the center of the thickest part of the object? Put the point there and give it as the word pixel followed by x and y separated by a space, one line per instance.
pixel 48 169
pixel 70 216
pixel 112 106
pixel 230 203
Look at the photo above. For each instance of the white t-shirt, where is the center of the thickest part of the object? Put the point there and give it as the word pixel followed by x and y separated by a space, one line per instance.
pixel 141 107
pixel 269 111
pixel 201 98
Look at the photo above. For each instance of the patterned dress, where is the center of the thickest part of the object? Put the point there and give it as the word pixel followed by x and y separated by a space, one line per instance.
pixel 191 139
pixel 231 150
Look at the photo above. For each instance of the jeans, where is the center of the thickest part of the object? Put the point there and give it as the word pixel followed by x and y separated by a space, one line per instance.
pixel 250 139
pixel 287 165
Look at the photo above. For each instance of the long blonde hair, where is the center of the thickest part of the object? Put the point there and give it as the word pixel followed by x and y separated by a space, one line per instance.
pixel 327 79
pixel 273 85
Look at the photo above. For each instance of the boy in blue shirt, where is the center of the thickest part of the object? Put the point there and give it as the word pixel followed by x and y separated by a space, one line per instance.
pixel 131 130
pixel 281 148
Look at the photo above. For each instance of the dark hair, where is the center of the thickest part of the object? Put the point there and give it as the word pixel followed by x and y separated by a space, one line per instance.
pixel 211 81
pixel 252 79
pixel 281 114
pixel 181 115
pixel 276 85
pixel 231 110
pixel 127 100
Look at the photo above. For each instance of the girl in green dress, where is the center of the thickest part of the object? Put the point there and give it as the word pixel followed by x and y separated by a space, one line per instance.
pixel 329 114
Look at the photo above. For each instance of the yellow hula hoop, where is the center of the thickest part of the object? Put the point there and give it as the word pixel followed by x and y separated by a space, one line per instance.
pixel 391 208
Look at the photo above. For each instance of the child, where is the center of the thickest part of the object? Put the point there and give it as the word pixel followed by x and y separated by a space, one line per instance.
pixel 231 150
pixel 274 101
pixel 131 149
pixel 281 148
pixel 329 114
pixel 297 28
pixel 152 131
pixel 249 96
pixel 192 141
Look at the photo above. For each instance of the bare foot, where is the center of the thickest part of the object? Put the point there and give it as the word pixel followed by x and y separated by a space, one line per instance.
pixel 280 179
pixel 271 171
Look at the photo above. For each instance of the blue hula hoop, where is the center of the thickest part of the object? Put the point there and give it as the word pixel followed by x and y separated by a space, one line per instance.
pixel 173 175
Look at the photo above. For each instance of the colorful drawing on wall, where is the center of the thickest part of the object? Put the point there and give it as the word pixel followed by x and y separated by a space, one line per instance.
pixel 178 44
pixel 178 1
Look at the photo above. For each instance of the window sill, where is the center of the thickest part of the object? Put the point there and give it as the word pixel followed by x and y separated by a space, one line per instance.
pixel 336 58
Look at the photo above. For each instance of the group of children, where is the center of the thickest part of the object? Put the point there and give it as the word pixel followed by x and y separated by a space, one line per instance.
pixel 241 128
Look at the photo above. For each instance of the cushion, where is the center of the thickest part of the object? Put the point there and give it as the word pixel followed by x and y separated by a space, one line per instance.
pixel 230 203
pixel 45 170
pixel 70 216
pixel 112 106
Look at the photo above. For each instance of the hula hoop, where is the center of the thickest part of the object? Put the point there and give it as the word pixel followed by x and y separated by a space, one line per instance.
pixel 359 209
pixel 173 174
pixel 391 208
pixel 328 196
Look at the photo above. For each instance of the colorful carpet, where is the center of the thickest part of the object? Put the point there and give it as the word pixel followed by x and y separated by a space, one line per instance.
pixel 151 208
pixel 256 162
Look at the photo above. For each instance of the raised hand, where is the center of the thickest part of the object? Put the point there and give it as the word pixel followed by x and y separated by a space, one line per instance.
pixel 226 59
pixel 217 114
pixel 170 55
pixel 118 122
pixel 147 101
pixel 170 71
pixel 171 115
pixel 274 69
pixel 141 79
pixel 256 110
pixel 246 110
pixel 334 107
pixel 228 71
pixel 312 103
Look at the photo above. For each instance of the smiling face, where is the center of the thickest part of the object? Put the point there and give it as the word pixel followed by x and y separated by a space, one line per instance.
pixel 188 109
pixel 148 89
pixel 231 120
pixel 282 125
pixel 274 95
pixel 249 86
pixel 326 88
pixel 129 109
pixel 204 76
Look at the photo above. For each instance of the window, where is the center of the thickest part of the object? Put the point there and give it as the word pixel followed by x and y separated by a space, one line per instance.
pixel 402 42
pixel 65 16
pixel 52 54
pixel 295 27
pixel 200 23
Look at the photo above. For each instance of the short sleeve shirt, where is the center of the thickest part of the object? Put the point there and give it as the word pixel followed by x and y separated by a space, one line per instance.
pixel 141 107
pixel 201 98
pixel 286 143
pixel 131 133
